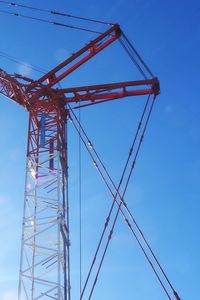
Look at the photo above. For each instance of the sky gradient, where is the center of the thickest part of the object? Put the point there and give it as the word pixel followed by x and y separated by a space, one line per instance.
pixel 164 192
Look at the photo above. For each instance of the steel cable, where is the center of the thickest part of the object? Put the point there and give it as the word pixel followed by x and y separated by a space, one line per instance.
pixel 119 205
pixel 133 59
pixel 127 222
pixel 80 202
pixel 49 22
pixel 14 4
pixel 15 60
pixel 133 230
pixel 117 213
pixel 60 24
pixel 130 45
pixel 126 206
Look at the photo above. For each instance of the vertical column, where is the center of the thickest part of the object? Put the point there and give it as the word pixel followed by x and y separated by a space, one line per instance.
pixel 44 265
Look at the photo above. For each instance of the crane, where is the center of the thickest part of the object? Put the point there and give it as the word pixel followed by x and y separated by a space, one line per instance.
pixel 45 244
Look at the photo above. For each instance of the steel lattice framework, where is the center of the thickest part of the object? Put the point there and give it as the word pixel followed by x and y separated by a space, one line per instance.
pixel 45 257
pixel 45 241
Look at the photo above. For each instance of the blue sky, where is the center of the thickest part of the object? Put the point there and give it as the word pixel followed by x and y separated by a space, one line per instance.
pixel 164 193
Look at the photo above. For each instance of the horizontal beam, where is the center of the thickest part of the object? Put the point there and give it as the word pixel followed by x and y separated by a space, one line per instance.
pixel 105 92
pixel 115 85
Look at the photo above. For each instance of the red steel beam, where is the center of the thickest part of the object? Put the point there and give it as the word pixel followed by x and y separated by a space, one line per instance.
pixel 112 91
pixel 80 57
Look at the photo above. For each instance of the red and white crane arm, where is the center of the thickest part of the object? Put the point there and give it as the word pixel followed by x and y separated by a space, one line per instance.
pixel 106 92
pixel 28 94
pixel 12 89
pixel 80 57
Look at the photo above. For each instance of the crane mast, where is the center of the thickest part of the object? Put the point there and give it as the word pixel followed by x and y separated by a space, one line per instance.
pixel 45 245
pixel 44 266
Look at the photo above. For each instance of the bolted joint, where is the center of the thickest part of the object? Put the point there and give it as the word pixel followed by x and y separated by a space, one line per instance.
pixel 156 86
pixel 118 30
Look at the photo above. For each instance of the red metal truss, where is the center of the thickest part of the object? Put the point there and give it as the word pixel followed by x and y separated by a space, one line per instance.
pixel 12 89
pixel 106 92
pixel 45 240
pixel 29 93
pixel 15 91
pixel 45 251
pixel 80 57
